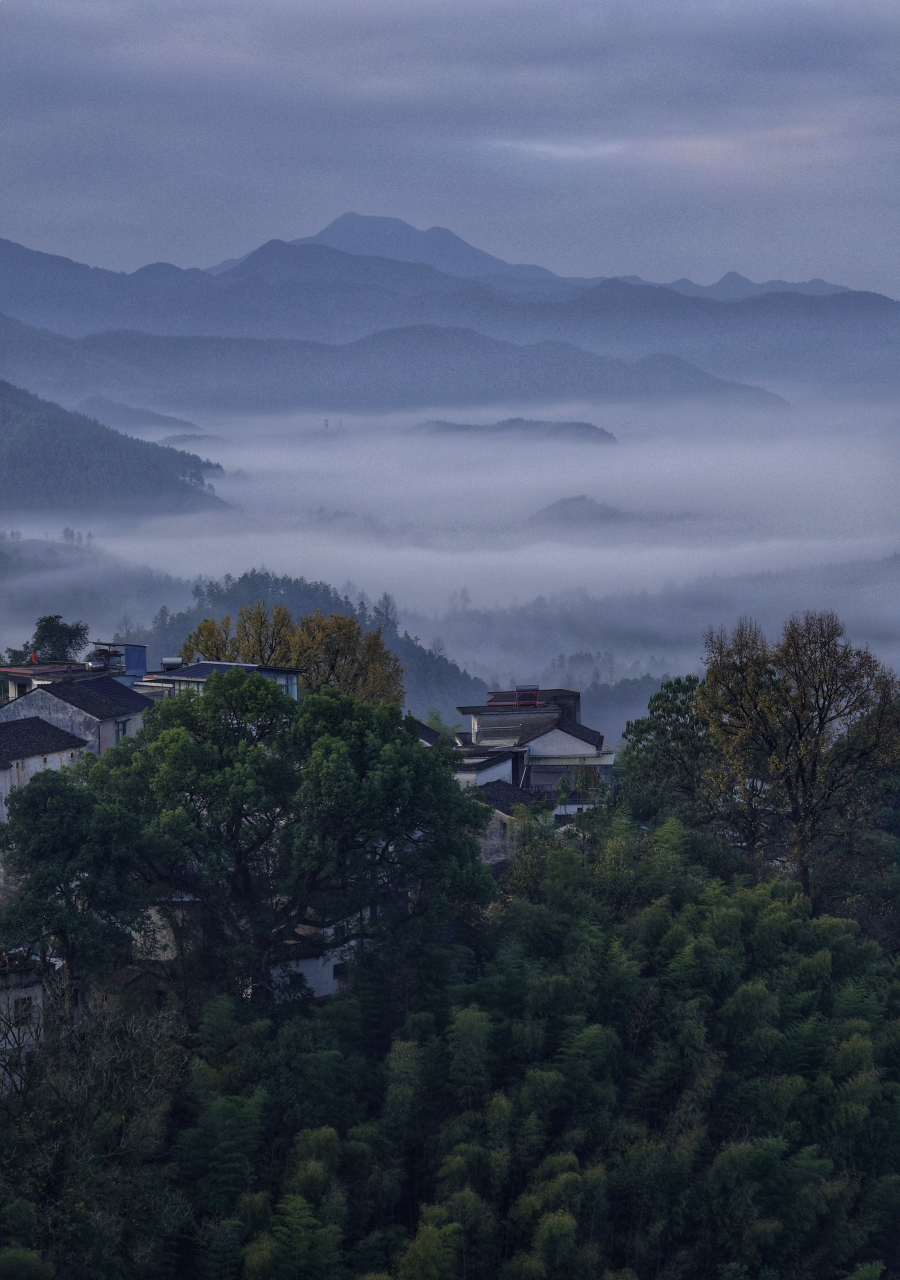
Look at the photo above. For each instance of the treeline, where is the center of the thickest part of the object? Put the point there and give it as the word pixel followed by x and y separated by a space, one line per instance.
pixel 653 1048
pixel 430 679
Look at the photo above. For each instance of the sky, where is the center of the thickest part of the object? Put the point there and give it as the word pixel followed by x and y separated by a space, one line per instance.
pixel 663 139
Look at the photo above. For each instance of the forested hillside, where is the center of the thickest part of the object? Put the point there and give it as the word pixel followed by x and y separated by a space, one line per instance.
pixel 52 459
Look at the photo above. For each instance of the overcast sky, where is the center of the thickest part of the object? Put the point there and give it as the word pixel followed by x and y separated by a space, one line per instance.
pixel 661 138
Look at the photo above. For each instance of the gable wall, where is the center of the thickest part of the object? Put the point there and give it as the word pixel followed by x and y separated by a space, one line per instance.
pixel 41 703
pixel 559 743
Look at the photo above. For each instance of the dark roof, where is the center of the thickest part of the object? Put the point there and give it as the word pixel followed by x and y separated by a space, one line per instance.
pixel 478 758
pixel 503 696
pixel 505 797
pixel 427 734
pixel 503 708
pixel 45 669
pixel 101 698
pixel 581 732
pixel 102 687
pixel 571 727
pixel 32 736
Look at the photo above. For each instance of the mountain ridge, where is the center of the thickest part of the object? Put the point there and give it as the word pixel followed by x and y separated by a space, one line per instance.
pixel 314 292
pixel 409 367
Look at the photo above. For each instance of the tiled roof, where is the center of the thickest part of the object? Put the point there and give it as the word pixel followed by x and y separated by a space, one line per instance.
pixel 505 797
pixel 102 697
pixel 97 698
pixel 111 688
pixel 427 734
pixel 581 732
pixel 479 759
pixel 32 736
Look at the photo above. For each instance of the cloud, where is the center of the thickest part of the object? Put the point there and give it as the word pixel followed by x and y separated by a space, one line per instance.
pixel 662 139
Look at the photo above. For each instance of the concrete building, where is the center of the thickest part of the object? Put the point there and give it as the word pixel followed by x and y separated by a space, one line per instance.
pixel 100 709
pixel 541 733
pixel 125 663
pixel 176 679
pixel 29 745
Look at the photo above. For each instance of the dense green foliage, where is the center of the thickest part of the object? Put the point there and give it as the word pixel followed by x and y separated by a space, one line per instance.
pixel 646 1053
pixel 788 753
pixel 625 1066
pixel 53 459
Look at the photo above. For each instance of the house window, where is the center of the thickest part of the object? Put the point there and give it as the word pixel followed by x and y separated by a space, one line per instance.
pixel 339 974
pixel 22 1011
pixel 121 729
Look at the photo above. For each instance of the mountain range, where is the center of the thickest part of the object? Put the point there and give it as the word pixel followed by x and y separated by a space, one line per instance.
pixel 391 369
pixel 299 315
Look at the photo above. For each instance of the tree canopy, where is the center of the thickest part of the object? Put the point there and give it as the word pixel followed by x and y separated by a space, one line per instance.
pixel 646 1051
pixel 333 652
pixel 53 641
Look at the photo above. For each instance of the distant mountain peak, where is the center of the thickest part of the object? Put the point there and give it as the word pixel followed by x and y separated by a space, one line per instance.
pixel 580 510
pixel 733 287
pixel 437 247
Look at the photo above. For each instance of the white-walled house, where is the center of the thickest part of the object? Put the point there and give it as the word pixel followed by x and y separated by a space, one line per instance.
pixel 30 745
pixel 99 709
pixel 535 739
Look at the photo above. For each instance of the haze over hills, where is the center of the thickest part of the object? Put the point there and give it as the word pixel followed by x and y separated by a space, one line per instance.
pixel 52 459
pixel 123 417
pixel 401 368
pixel 311 290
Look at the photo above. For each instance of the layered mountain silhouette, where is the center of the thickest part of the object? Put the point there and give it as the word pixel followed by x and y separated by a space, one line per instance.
pixel 400 368
pixel 734 287
pixel 361 276
pixel 125 417
pixel 52 459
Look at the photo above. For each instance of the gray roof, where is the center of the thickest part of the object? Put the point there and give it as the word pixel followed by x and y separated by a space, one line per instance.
pixel 478 758
pixel 426 734
pixel 579 731
pixel 505 797
pixel 103 698
pixel 32 736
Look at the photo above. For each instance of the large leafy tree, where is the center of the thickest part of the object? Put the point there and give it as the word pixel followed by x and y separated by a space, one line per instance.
pixel 273 819
pixel 796 724
pixel 69 853
pixel 666 754
pixel 53 641
pixel 331 651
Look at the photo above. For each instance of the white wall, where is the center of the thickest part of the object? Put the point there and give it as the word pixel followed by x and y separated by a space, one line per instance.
pixel 23 771
pixel 318 972
pixel 41 703
pixel 559 743
pixel 100 734
pixel 501 772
